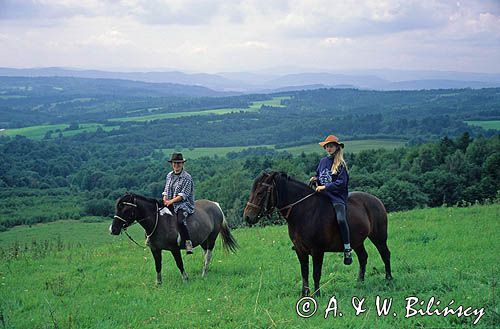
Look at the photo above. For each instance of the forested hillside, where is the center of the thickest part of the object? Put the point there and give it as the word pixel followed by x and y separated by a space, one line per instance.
pixel 49 180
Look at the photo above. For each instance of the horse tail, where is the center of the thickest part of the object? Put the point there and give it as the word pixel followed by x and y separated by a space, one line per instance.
pixel 378 216
pixel 228 241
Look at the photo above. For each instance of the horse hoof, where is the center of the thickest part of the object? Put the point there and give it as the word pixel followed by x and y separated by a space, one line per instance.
pixel 388 277
pixel 158 283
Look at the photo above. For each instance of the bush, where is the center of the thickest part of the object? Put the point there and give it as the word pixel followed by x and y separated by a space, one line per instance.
pixel 103 208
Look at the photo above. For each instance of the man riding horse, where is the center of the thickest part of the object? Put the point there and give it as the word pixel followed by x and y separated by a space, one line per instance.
pixel 179 193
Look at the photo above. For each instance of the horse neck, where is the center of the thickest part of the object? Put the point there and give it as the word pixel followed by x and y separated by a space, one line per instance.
pixel 146 214
pixel 290 191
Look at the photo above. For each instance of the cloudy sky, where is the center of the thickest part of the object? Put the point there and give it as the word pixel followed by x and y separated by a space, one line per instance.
pixel 244 35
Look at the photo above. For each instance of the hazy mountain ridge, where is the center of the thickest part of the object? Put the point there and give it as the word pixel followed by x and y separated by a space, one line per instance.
pixel 262 82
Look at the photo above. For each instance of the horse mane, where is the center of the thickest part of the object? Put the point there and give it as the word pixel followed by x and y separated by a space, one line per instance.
pixel 141 197
pixel 284 175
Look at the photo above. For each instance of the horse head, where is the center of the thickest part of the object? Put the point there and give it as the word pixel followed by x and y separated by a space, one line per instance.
pixel 262 199
pixel 125 213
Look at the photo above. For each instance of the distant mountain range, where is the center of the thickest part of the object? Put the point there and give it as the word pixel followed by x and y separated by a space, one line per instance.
pixel 227 83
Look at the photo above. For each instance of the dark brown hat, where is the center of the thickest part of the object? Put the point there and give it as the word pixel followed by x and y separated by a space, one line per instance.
pixel 176 157
pixel 331 139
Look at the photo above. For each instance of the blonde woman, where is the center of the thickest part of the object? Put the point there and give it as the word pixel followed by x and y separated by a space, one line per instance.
pixel 333 179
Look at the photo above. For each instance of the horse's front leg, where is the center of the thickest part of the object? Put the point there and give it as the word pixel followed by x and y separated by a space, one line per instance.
pixel 304 269
pixel 317 267
pixel 157 256
pixel 180 265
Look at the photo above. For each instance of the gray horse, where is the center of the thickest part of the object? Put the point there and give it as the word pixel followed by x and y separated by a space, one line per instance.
pixel 162 231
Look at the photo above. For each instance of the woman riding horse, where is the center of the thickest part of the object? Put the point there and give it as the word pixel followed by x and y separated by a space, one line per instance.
pixel 333 179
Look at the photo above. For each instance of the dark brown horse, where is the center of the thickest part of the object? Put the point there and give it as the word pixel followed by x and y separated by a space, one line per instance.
pixel 162 231
pixel 312 224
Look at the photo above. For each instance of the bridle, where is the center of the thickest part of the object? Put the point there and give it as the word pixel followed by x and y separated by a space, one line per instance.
pixel 133 220
pixel 265 210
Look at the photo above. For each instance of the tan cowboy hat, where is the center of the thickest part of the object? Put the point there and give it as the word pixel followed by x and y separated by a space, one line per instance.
pixel 331 139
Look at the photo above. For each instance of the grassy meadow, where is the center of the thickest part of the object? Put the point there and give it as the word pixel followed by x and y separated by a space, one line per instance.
pixel 38 132
pixel 351 146
pixel 71 274
pixel 489 124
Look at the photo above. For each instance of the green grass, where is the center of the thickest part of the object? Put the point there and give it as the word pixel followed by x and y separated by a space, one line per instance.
pixel 74 275
pixel 254 107
pixel 351 146
pixel 492 124
pixel 38 132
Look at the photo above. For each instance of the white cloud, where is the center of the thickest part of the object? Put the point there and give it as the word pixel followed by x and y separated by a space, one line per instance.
pixel 111 38
pixel 242 34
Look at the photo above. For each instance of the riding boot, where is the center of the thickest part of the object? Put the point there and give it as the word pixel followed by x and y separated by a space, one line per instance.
pixel 184 227
pixel 347 256
pixel 340 211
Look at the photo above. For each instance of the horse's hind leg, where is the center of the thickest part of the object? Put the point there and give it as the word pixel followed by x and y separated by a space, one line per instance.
pixel 206 261
pixel 363 259
pixel 386 256
pixel 180 265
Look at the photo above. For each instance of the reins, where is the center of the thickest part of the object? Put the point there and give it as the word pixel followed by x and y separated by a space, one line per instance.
pixel 138 221
pixel 290 206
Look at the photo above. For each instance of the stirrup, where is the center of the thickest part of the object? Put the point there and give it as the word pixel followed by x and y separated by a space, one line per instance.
pixel 189 247
pixel 348 256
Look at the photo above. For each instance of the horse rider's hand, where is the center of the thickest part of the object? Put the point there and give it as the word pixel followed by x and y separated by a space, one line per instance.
pixel 320 188
pixel 313 179
pixel 165 201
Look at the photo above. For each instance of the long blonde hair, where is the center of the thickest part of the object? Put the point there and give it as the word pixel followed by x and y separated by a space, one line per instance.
pixel 338 160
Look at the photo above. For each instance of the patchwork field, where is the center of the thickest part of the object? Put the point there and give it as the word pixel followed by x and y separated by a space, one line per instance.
pixel 71 274
pixel 254 107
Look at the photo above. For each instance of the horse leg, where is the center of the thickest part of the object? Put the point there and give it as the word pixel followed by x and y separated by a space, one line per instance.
pixel 180 265
pixel 208 257
pixel 304 269
pixel 317 267
pixel 362 258
pixel 157 256
pixel 386 256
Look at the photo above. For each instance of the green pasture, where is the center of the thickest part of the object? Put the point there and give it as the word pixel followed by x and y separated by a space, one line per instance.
pixel 350 146
pixel 254 107
pixel 353 146
pixel 38 132
pixel 71 274
pixel 491 124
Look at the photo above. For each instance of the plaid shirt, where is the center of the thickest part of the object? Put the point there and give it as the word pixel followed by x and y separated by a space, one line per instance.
pixel 181 184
